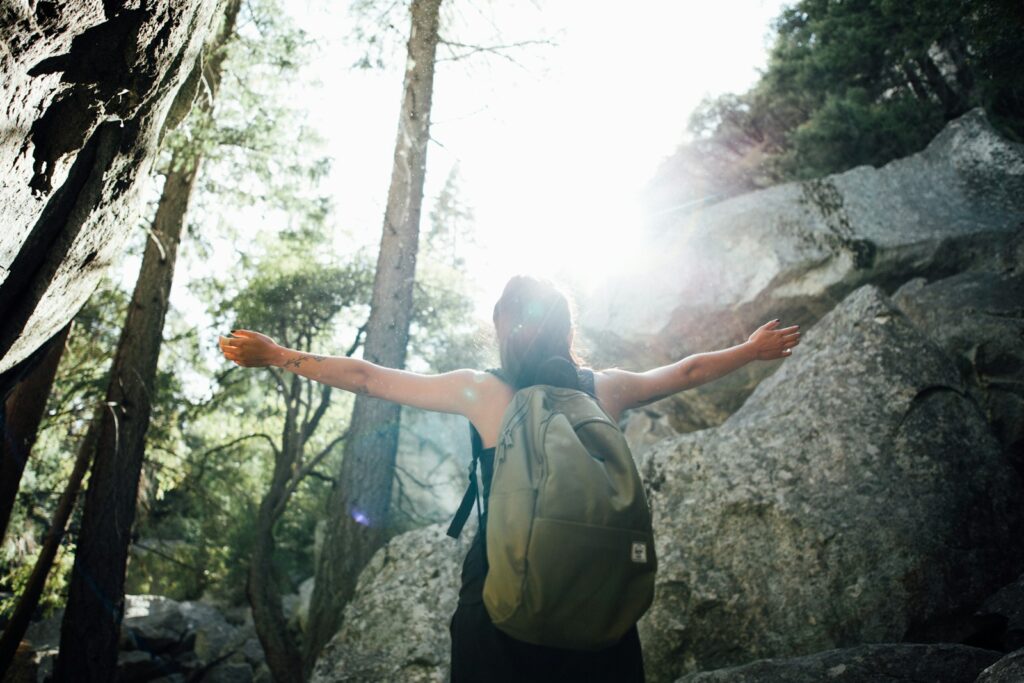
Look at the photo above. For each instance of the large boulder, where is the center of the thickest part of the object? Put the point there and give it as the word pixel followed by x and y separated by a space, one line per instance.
pixel 1009 669
pixel 795 250
pixel 896 663
pixel 87 87
pixel 978 319
pixel 396 627
pixel 857 496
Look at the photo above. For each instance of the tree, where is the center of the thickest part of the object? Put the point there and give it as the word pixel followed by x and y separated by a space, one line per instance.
pixel 22 413
pixel 849 83
pixel 297 301
pixel 359 503
pixel 91 626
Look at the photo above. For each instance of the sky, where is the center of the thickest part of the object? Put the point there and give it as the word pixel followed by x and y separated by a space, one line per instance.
pixel 554 140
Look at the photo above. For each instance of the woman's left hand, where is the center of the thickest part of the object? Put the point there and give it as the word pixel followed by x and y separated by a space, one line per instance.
pixel 769 341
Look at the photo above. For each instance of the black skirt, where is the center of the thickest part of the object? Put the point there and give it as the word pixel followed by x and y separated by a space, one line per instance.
pixel 482 653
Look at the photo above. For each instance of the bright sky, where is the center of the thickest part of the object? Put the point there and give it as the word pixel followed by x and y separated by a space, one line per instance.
pixel 554 147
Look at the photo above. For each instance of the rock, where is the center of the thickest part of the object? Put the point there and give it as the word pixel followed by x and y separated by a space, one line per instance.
pixel 154 624
pixel 230 672
pixel 86 88
pixel 1000 619
pixel 214 636
pixel 1009 669
pixel 136 666
pixel 978 318
pixel 895 663
pixel 252 651
pixel 793 251
pixel 644 428
pixel 305 596
pixel 172 678
pixel 396 627
pixel 290 607
pixel 45 633
pixel 857 496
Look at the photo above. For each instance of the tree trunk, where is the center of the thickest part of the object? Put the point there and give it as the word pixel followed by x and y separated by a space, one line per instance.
pixel 29 598
pixel 953 104
pixel 358 507
pixel 23 411
pixel 282 654
pixel 92 619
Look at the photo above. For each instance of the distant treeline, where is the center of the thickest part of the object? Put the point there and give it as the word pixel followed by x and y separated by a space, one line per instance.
pixel 851 82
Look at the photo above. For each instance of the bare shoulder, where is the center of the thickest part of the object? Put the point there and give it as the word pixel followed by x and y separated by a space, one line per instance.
pixel 612 388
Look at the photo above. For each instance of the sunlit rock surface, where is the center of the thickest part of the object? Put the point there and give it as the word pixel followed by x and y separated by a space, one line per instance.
pixel 87 87
pixel 794 251
pixel 396 628
pixel 857 496
pixel 897 663
pixel 433 456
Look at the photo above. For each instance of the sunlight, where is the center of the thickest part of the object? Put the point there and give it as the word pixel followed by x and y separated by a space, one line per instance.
pixel 553 149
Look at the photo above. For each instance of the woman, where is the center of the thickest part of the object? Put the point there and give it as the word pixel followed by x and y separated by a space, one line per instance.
pixel 534 327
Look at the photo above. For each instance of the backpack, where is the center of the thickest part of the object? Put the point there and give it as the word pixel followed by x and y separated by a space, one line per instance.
pixel 570 547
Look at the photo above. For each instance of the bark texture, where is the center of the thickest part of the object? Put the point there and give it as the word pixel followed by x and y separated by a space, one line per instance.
pixel 23 411
pixel 358 511
pixel 87 87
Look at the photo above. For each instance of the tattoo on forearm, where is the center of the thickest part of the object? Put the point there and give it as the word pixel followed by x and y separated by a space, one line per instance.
pixel 296 361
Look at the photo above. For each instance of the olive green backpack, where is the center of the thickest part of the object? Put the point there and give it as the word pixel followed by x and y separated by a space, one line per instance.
pixel 569 543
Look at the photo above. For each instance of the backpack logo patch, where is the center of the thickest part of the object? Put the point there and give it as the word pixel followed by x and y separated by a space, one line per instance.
pixel 639 554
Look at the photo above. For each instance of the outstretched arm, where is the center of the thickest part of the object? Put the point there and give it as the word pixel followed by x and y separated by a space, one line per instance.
pixel 452 392
pixel 621 390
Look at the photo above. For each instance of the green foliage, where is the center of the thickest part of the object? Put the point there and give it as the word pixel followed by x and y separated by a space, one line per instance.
pixel 853 82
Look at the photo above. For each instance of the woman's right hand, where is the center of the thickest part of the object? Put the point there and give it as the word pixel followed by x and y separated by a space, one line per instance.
pixel 250 349
pixel 770 342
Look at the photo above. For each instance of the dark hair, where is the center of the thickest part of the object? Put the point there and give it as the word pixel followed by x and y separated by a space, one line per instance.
pixel 533 320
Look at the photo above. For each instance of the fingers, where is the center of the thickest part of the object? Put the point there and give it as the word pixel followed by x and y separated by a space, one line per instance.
pixel 770 325
pixel 231 348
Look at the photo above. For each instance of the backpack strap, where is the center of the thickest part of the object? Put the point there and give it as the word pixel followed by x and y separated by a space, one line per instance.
pixel 473 490
pixel 586 376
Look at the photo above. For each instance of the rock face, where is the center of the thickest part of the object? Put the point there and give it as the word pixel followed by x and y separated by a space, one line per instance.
pixel 857 496
pixel 999 622
pixel 1009 669
pixel 978 318
pixel 794 251
pixel 895 663
pixel 396 628
pixel 87 87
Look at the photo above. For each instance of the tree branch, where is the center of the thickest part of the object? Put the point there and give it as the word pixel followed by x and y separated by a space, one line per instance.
pixel 470 50
pixel 301 473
